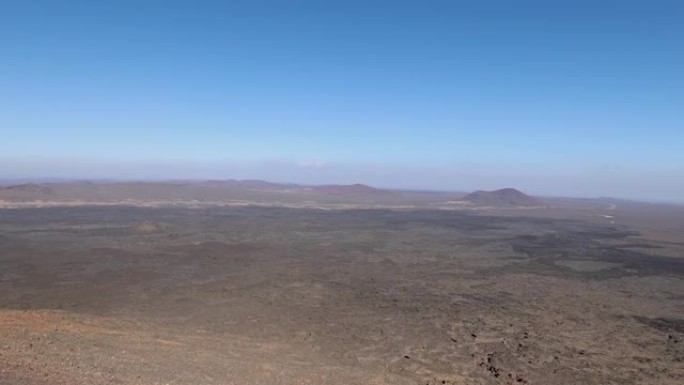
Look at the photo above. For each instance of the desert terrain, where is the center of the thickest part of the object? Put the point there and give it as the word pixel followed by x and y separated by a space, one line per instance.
pixel 247 282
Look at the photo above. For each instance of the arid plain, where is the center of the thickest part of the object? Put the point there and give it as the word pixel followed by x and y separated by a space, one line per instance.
pixel 231 282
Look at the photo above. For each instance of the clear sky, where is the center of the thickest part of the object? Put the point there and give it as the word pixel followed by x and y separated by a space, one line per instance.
pixel 562 97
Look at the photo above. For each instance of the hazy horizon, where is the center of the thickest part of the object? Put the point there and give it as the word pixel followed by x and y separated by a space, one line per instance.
pixel 464 180
pixel 577 99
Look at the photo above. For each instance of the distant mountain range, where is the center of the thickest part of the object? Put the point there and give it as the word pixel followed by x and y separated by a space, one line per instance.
pixel 203 191
pixel 246 191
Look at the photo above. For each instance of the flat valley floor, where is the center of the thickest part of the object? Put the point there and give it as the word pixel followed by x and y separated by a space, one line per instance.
pixel 259 295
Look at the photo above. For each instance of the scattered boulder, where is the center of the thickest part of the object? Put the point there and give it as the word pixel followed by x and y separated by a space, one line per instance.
pixel 148 227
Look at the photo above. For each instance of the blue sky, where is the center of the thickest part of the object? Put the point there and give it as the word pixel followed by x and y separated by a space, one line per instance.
pixel 555 97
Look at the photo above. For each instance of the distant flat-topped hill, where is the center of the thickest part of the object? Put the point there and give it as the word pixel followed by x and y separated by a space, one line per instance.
pixel 506 197
pixel 352 189
pixel 247 183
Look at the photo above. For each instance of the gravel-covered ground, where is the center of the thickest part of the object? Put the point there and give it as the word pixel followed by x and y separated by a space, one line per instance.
pixel 258 295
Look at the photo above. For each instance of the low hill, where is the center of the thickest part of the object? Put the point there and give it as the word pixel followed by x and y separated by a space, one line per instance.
pixel 352 189
pixel 28 188
pixel 247 183
pixel 507 197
